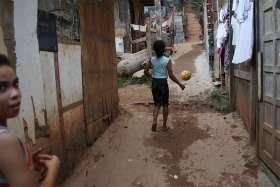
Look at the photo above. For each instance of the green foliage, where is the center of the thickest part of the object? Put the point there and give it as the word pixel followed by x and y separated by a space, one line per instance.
pixel 197 6
pixel 219 100
pixel 124 80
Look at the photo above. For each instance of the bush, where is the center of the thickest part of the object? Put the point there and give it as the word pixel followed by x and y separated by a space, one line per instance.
pixel 219 100
pixel 124 80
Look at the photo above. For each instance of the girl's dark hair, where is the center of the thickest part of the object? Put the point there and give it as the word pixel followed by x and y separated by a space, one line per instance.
pixel 4 61
pixel 159 48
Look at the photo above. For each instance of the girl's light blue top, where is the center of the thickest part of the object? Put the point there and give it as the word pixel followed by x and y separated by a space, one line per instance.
pixel 160 67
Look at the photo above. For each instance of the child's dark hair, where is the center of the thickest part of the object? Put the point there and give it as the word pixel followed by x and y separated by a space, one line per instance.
pixel 159 48
pixel 4 61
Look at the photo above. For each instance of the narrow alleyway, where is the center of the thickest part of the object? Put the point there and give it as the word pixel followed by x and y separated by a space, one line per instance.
pixel 193 27
pixel 203 147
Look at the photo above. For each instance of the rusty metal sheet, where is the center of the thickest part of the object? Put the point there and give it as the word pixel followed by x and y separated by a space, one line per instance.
pixel 98 64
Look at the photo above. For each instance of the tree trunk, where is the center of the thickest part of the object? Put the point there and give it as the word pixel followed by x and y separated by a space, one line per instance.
pixel 131 63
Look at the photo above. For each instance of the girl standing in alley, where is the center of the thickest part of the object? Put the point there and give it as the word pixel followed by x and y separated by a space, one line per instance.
pixel 16 163
pixel 161 68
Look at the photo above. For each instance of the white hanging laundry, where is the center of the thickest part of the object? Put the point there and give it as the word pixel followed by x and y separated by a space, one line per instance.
pixel 244 46
pixel 234 5
pixel 234 23
pixel 221 15
pixel 140 28
pixel 247 8
pixel 226 10
pixel 242 11
pixel 220 35
pixel 236 30
pixel 222 31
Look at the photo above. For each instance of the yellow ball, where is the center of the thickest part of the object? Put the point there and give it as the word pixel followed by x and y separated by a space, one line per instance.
pixel 185 75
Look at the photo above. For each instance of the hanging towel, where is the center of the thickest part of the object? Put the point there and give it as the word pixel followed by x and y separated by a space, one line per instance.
pixel 222 34
pixel 234 23
pixel 244 45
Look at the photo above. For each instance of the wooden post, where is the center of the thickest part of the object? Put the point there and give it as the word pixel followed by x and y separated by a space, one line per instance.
pixel 148 36
pixel 255 86
pixel 173 27
pixel 231 69
pixel 158 18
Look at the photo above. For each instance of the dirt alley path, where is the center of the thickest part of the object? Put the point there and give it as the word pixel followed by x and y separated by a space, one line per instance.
pixel 204 148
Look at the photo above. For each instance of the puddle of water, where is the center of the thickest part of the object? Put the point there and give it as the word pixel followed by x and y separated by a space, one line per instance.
pixel 195 61
pixel 202 67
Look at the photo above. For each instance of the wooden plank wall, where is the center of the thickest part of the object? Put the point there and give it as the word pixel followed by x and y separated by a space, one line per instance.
pixel 98 65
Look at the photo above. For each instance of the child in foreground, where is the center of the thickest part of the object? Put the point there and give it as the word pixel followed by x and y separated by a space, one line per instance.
pixel 16 162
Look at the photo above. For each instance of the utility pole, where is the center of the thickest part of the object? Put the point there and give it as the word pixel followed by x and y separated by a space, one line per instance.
pixel 158 18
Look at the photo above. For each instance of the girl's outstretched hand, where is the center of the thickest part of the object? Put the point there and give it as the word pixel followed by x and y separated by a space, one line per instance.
pixel 182 86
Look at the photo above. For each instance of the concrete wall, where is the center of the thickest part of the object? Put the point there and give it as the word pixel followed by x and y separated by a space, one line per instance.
pixel 28 64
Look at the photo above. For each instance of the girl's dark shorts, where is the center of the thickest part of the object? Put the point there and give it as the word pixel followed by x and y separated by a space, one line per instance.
pixel 160 92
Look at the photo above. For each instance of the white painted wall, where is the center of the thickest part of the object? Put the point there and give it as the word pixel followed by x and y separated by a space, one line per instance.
pixel 28 62
pixel 37 73
pixel 69 57
pixel 49 85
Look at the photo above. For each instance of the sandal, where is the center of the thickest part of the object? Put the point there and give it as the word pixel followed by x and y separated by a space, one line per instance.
pixel 154 127
pixel 165 129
